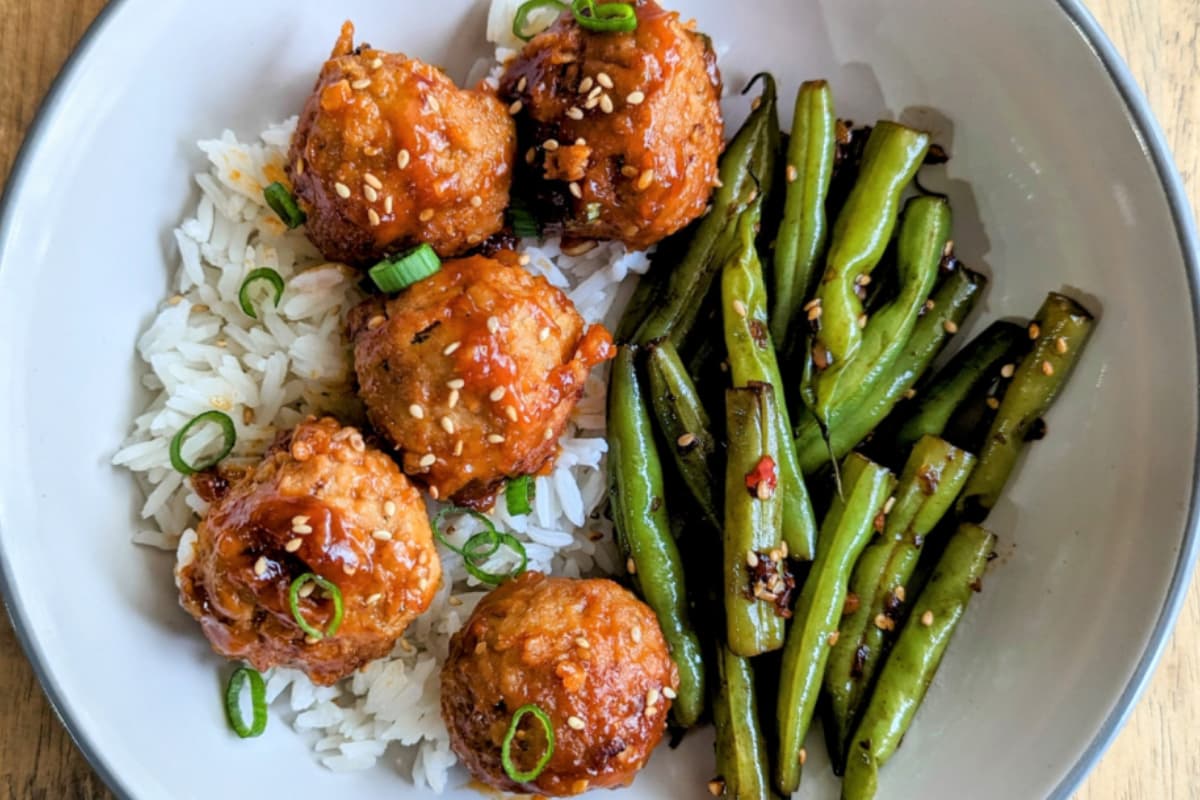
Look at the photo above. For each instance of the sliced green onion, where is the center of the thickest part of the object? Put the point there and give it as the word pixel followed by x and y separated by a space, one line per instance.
pixel 263 274
pixel 227 430
pixel 605 18
pixel 282 203
pixel 521 20
pixel 522 221
pixel 506 748
pixel 258 702
pixel 294 604
pixel 392 275
pixel 481 546
pixel 518 497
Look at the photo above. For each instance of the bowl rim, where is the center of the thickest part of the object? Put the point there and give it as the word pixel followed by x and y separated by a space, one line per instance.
pixel 1146 126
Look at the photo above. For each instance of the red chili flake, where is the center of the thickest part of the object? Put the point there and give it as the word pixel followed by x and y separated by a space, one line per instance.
pixel 765 475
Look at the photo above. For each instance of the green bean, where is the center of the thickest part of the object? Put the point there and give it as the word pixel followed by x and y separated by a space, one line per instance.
pixel 1060 330
pixel 640 515
pixel 915 659
pixel 861 233
pixel 924 233
pixel 977 365
pixel 745 172
pixel 951 303
pixel 741 748
pixel 849 525
pixel 685 426
pixel 932 478
pixel 752 358
pixel 801 239
pixel 754 576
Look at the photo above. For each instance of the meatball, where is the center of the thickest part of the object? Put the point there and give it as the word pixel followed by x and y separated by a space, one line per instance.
pixel 319 502
pixel 625 127
pixel 389 154
pixel 472 374
pixel 588 654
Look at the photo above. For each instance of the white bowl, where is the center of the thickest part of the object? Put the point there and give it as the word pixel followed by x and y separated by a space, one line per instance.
pixel 1060 179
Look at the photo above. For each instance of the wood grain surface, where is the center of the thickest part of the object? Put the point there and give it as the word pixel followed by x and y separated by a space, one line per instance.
pixel 1157 756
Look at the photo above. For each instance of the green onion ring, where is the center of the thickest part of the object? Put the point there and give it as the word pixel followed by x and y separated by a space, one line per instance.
pixel 522 17
pixel 262 274
pixel 524 224
pixel 258 701
pixel 605 18
pixel 393 275
pixel 228 430
pixel 284 205
pixel 481 546
pixel 294 605
pixel 518 497
pixel 506 748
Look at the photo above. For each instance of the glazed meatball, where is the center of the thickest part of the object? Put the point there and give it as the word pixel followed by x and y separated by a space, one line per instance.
pixel 625 128
pixel 472 374
pixel 320 502
pixel 389 153
pixel 588 654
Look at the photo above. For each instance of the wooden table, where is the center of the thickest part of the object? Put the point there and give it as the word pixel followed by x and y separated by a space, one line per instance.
pixel 1157 756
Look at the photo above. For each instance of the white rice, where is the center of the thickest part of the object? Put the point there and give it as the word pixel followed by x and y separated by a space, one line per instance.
pixel 202 353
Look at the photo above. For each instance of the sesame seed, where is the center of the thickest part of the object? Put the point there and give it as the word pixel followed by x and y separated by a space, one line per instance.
pixel 493 324
pixel 686 440
pixel 889 505
pixel 751 559
pixel 417 410
pixel 1047 368
pixel 862 320
pixel 927 618
pixel 630 230
pixel 307 589
pixel 458 448
pixel 375 598
pixel 343 191
pixel 370 193
pixel 531 155
pixel 636 635
pixel 585 85
pixel 792 174
pixel 260 566
pixel 522 84
pixel 524 260
pixel 591 103
pixel 361 84
pixel 929 305
pixel 802 756
pixel 548 434
pixel 299 519
pixel 645 179
pixel 948 249
pixel 756 103
pixel 603 79
pixel 1034 330
pixel 884 622
pixel 453 401
pixel 1007 370
pixel 669 693
pixel 497 394
pixel 1060 345
pixel 377 63
pixel 495 438
pixel 450 348
pixel 811 304
pixel 426 215
pixel 863 280
pixel 576 190
pixel 814 313
pixel 993 403
pixel 575 113
pixel 595 93
pixel 175 300
pixel 764 491
pixel 476 201
pixel 454 601
pixel 635 98
pixel 950 326
pixel 383 536
pixel 650 711
pixel 299 166
pixel 631 566
pixel 402 159
pixel 550 145
pixel 447 425
pixel 575 723
pixel 606 104
pixel 511 413
pixel 898 593
pixel 739 307
pixel 516 107
pixel 583 643
pixel 303 530
pixel 909 394
pixel 544 334
pixel 311 640
pixel 457 383
pixel 389 509
pixel 716 787
pixel 293 544
pixel 832 638
pixel 373 217
pixel 376 321
pixel 434 105
pixel 652 697
pixel 428 460
pixel 630 171
pixel 372 181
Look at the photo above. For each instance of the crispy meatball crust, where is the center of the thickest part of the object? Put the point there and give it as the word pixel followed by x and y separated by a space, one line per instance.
pixel 473 373
pixel 588 653
pixel 625 129
pixel 320 501
pixel 389 154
